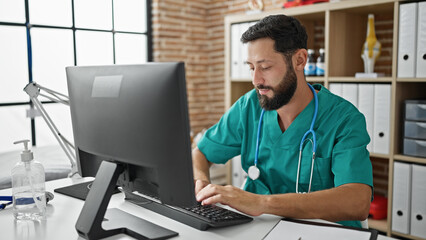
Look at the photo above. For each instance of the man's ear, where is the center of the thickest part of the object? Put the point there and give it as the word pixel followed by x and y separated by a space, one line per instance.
pixel 299 59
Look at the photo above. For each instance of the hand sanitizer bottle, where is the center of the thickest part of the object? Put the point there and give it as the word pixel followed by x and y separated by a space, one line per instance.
pixel 320 63
pixel 28 187
pixel 310 64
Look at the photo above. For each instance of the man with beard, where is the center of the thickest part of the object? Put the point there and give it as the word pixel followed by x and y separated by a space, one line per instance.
pixel 266 127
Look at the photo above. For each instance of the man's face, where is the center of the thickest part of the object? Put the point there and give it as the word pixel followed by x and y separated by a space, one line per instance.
pixel 275 80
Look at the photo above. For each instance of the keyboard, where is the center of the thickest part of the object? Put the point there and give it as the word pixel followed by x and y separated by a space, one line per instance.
pixel 201 217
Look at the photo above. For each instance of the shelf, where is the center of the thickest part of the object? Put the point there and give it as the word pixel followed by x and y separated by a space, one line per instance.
pixel 380 225
pixel 410 159
pixel 316 11
pixel 379 155
pixel 357 80
pixel 315 79
pixel 241 80
pixel 308 79
pixel 411 80
pixel 329 23
pixel 406 236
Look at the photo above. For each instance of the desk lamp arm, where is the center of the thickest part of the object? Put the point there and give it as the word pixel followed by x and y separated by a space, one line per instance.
pixel 33 90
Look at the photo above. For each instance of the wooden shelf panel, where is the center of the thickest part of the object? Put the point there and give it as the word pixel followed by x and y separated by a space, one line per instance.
pixel 380 225
pixel 379 155
pixel 317 11
pixel 406 236
pixel 308 79
pixel 315 79
pixel 241 80
pixel 411 80
pixel 356 80
pixel 409 159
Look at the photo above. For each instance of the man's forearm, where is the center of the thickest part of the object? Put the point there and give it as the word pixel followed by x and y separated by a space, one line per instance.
pixel 200 165
pixel 347 202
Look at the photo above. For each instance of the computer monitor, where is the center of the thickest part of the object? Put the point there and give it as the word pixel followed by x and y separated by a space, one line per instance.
pixel 133 120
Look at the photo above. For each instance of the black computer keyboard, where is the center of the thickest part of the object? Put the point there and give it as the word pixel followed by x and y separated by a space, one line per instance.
pixel 200 216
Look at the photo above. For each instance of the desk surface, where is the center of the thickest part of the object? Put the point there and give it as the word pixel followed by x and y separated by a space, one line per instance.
pixel 63 211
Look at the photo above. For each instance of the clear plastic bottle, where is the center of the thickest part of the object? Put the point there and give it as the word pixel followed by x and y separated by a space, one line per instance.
pixel 320 63
pixel 310 64
pixel 28 187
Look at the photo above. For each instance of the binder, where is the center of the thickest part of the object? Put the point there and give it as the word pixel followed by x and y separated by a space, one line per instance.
pixel 401 197
pixel 418 202
pixel 336 88
pixel 421 41
pixel 350 93
pixel 382 105
pixel 366 107
pixel 235 51
pixel 407 40
pixel 244 69
pixel 238 174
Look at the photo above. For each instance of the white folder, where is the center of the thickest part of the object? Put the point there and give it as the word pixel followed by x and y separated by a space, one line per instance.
pixel 350 93
pixel 407 40
pixel 401 197
pixel 235 51
pixel 382 105
pixel 421 41
pixel 418 202
pixel 244 69
pixel 238 174
pixel 366 107
pixel 336 88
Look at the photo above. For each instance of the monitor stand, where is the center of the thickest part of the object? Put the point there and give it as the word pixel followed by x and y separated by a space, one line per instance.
pixel 89 224
pixel 79 190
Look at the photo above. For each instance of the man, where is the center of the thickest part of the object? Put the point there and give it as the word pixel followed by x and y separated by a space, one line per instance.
pixel 340 188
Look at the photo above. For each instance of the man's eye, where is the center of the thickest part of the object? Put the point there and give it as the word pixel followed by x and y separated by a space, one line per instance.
pixel 265 68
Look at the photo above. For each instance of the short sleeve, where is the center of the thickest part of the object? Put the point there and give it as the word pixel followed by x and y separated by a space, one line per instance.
pixel 351 159
pixel 222 141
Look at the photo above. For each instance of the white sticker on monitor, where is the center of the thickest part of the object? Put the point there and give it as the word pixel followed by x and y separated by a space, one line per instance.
pixel 106 86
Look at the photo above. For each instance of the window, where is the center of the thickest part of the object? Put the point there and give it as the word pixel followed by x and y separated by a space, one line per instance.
pixel 38 39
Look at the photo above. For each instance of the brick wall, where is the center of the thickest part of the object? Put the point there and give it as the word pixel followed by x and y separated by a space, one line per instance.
pixel 193 31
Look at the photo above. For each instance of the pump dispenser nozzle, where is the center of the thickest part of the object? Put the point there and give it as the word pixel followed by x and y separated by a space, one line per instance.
pixel 26 155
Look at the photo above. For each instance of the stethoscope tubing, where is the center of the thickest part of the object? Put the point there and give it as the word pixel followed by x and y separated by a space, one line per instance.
pixel 304 138
pixel 256 156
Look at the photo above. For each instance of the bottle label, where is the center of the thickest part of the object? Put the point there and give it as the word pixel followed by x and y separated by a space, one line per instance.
pixel 320 69
pixel 310 69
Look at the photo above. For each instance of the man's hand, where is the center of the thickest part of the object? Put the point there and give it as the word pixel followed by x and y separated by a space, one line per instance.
pixel 200 184
pixel 234 197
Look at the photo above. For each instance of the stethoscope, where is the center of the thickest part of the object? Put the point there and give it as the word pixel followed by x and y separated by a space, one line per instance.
pixel 254 172
pixel 29 200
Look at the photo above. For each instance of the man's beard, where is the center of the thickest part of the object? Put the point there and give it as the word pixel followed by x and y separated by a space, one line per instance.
pixel 282 93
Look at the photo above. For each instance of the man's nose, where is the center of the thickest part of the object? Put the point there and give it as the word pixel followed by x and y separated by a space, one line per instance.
pixel 257 77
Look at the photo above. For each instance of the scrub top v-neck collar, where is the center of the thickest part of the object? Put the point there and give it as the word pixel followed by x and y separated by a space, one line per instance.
pixel 300 124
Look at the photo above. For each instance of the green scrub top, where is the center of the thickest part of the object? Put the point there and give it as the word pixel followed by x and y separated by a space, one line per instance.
pixel 341 139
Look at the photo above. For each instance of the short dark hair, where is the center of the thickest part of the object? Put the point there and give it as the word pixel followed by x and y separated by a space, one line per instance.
pixel 287 32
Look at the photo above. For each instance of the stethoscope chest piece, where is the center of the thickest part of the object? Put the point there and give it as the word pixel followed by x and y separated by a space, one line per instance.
pixel 253 172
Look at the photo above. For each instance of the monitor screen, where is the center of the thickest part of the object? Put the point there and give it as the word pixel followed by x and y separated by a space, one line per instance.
pixel 134 117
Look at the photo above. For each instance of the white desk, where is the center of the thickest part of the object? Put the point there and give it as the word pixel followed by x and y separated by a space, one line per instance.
pixel 63 211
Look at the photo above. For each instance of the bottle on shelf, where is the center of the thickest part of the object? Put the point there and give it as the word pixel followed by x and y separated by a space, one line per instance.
pixel 28 187
pixel 310 64
pixel 320 67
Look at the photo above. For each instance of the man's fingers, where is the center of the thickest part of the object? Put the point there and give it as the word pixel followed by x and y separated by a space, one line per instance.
pixel 199 184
